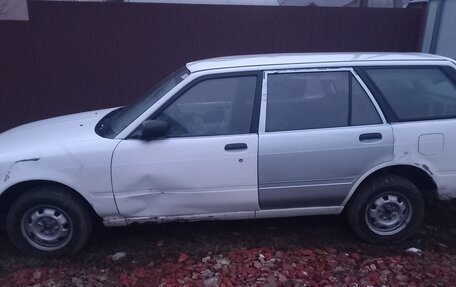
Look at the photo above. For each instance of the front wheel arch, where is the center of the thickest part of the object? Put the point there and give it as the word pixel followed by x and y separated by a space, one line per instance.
pixel 49 221
pixel 13 192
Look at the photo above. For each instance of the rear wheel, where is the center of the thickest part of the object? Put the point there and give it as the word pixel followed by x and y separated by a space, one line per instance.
pixel 49 221
pixel 386 209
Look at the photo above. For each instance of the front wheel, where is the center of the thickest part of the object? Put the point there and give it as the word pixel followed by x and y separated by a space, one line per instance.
pixel 386 209
pixel 49 221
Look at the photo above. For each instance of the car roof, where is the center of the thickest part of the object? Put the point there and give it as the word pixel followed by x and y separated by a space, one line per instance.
pixel 303 58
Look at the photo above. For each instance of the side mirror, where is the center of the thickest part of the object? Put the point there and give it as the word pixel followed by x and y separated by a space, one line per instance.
pixel 152 129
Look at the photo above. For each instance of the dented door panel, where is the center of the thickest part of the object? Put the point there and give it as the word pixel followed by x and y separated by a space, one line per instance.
pixel 184 176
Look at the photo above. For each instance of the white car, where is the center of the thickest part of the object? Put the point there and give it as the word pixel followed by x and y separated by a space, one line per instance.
pixel 371 134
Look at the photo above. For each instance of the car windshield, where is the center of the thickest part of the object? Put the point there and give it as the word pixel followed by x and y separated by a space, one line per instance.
pixel 116 121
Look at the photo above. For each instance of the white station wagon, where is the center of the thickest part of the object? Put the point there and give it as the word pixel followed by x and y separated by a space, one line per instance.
pixel 372 135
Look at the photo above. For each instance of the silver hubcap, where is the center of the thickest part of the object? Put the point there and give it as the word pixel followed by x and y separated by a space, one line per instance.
pixel 388 213
pixel 46 227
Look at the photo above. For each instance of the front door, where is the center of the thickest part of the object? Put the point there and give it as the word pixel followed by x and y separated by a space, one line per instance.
pixel 206 164
pixel 319 132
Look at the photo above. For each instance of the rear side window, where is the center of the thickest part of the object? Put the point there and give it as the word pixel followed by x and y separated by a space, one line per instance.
pixel 416 93
pixel 313 100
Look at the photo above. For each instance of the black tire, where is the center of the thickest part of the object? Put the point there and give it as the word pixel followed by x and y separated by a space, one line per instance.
pixel 386 209
pixel 51 212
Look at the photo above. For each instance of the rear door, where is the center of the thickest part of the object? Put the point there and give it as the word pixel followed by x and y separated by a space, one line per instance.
pixel 319 132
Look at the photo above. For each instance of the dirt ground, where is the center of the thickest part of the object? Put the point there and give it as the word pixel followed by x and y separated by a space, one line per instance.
pixel 307 251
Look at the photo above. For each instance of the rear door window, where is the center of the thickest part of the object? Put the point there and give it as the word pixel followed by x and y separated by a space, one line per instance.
pixel 363 111
pixel 314 100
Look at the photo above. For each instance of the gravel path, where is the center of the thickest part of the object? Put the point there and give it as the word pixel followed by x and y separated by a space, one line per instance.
pixel 307 251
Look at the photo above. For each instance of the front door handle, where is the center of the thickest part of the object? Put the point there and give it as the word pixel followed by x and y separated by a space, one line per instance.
pixel 236 146
pixel 370 137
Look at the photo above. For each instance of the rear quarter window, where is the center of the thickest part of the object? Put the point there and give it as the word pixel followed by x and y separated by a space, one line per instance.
pixel 416 93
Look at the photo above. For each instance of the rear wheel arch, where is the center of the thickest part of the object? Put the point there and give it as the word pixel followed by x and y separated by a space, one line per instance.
pixel 387 210
pixel 416 175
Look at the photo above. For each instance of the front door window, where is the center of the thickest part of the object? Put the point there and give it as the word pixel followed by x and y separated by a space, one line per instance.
pixel 220 106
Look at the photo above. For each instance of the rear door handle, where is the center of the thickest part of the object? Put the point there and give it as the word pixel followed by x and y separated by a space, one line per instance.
pixel 370 137
pixel 236 146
